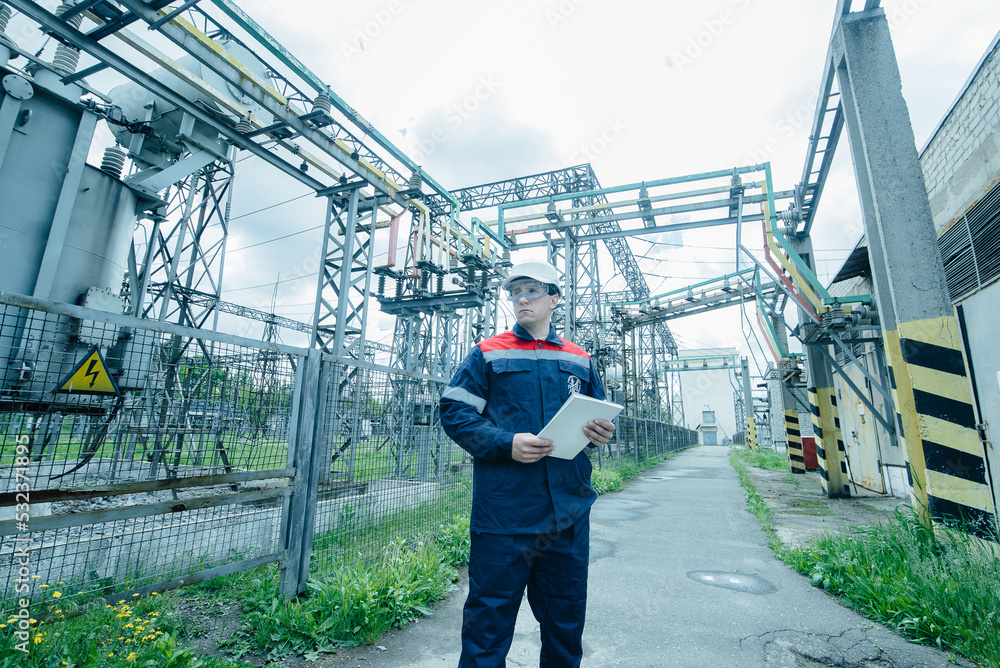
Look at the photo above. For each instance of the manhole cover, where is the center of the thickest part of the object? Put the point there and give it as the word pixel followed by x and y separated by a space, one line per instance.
pixel 751 584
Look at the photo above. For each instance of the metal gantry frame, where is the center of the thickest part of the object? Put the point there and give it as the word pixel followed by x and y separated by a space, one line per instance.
pixel 293 121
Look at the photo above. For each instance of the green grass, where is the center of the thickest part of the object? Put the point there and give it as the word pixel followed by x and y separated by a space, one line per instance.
pixel 762 459
pixel 140 632
pixel 355 604
pixel 755 502
pixel 933 586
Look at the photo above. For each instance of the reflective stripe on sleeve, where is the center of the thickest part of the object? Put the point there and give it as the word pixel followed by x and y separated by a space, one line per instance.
pixel 466 397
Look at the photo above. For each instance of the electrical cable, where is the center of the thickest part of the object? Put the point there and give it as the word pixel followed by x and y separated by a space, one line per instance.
pixel 266 285
pixel 266 208
pixel 269 241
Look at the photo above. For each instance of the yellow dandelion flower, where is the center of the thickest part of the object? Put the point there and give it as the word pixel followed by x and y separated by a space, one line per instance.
pixel 107 606
pixel 134 595
pixel 121 637
pixel 39 639
pixel 56 594
pixel 3 626
pixel 60 582
pixel 12 620
pixel 32 621
pixel 154 614
pixel 43 586
pixel 111 655
pixel 154 593
pixel 58 611
pixel 127 626
pixel 35 577
pixel 130 657
pixel 159 633
pixel 121 601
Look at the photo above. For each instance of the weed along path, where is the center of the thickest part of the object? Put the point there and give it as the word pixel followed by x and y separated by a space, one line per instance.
pixel 681 575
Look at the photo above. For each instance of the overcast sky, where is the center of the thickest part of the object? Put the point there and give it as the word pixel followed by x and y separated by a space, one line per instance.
pixel 484 91
pixel 477 92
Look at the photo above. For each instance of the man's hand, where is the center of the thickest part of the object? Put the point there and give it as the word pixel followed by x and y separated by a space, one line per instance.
pixel 528 448
pixel 599 431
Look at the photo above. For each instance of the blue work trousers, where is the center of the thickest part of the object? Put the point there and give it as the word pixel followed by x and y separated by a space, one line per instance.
pixel 554 569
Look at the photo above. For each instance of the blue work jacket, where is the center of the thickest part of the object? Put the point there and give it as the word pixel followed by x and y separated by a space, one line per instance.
pixel 508 384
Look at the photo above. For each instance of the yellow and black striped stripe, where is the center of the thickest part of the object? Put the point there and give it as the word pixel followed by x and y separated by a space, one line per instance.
pixel 751 433
pixel 830 451
pixel 945 457
pixel 945 454
pixel 793 440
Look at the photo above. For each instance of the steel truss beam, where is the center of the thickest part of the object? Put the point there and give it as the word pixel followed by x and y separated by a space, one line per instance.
pixel 186 250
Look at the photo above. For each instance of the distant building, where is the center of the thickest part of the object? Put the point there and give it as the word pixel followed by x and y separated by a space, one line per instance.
pixel 708 385
pixel 707 430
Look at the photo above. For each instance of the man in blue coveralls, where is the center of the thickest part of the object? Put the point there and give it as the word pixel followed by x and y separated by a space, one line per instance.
pixel 530 512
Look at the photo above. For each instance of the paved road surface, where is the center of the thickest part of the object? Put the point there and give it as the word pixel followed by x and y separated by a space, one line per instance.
pixel 681 575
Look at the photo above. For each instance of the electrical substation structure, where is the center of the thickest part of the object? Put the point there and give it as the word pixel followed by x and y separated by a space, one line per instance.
pixel 161 449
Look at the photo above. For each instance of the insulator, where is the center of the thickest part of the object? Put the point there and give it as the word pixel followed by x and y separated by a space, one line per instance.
pixel 440 284
pixel 424 280
pixel 4 17
pixel 244 126
pixel 322 103
pixel 65 59
pixel 381 285
pixel 865 313
pixel 834 318
pixel 76 20
pixel 399 287
pixel 113 161
pixel 416 180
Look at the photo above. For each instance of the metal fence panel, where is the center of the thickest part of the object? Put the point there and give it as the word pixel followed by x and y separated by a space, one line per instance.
pixel 215 454
pixel 393 473
pixel 184 471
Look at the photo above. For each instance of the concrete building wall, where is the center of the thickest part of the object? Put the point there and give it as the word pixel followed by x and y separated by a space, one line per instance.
pixel 962 159
pixel 961 166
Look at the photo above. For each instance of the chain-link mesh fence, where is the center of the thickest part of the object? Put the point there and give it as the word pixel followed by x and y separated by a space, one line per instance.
pixel 394 473
pixel 138 456
pixel 130 458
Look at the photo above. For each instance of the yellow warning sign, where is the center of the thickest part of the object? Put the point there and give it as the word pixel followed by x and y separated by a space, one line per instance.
pixel 89 377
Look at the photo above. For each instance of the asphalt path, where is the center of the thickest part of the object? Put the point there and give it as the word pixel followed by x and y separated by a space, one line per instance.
pixel 680 575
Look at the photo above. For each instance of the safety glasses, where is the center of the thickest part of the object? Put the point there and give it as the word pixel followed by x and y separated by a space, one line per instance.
pixel 532 291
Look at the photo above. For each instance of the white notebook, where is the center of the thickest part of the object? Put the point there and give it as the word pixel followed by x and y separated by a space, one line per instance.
pixel 566 426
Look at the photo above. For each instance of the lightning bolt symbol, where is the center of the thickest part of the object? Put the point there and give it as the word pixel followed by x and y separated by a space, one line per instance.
pixel 90 372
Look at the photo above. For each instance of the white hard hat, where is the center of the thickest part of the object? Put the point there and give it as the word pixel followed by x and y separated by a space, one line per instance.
pixel 543 272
